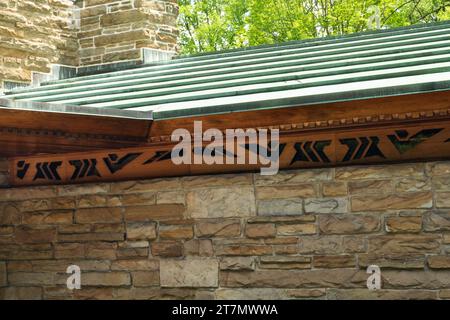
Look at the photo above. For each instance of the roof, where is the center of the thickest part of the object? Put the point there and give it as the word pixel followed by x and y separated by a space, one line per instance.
pixel 373 64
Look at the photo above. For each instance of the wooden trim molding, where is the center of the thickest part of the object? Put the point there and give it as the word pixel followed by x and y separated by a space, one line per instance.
pixel 384 143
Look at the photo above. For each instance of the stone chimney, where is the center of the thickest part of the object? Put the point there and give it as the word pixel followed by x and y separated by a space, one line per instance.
pixel 112 30
pixel 53 39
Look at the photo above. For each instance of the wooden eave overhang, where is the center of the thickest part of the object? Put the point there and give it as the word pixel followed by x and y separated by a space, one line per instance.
pixel 376 97
pixel 30 128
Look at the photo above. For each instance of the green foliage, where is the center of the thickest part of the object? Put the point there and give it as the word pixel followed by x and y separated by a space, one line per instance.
pixel 211 25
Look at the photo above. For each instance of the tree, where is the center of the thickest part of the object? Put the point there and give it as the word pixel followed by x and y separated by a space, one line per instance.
pixel 211 25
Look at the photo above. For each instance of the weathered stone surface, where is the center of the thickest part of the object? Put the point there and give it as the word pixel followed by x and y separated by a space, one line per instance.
pixel 21 293
pixel 176 232
pixel 436 221
pixel 69 250
pixel 263 230
pixel 26 252
pixel 120 17
pixel 242 250
pixel 9 213
pixel 135 265
pixel 405 224
pixel 88 237
pixel 339 278
pixel 439 168
pixel 283 207
pixel 320 245
pixel 381 172
pixel 325 205
pixel 411 200
pixel 413 185
pixel 98 201
pixel 268 294
pixel 138 199
pixel 32 278
pixel 61 265
pixel 167 249
pixel 285 262
pixel 189 273
pixel 442 199
pixel 221 202
pixel 101 250
pixel 174 197
pixel 370 186
pixel 341 261
pixel 98 215
pixel 392 261
pixel 416 279
pixel 364 294
pixel 285 192
pixel 198 247
pixel 441 183
pixel 439 262
pixel 354 244
pixel 237 263
pixel 222 180
pixel 3 277
pixel 105 279
pixel 155 212
pixel 404 244
pixel 218 228
pixel 50 217
pixel 145 278
pixel 444 294
pixel 334 189
pixel 141 231
pixel 294 177
pixel 145 186
pixel 296 229
pixel 35 235
pixel 348 224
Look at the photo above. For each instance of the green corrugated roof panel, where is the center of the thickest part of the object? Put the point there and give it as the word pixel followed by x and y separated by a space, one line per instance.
pixel 373 64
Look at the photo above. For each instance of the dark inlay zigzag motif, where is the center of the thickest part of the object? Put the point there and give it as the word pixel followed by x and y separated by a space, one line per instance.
pixel 84 168
pixel 265 151
pixel 115 164
pixel 48 171
pixel 310 151
pixel 22 169
pixel 361 148
pixel 403 143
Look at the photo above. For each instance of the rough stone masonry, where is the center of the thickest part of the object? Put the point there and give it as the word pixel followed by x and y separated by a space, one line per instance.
pixel 34 34
pixel 302 234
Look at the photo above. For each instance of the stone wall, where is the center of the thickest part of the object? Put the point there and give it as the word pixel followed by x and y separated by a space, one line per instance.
pixel 33 35
pixel 36 34
pixel 299 234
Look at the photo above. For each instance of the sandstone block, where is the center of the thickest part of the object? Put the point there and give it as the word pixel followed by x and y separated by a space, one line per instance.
pixel 325 205
pixel 221 202
pixel 411 200
pixel 154 212
pixel 285 192
pixel 189 273
pixel 404 244
pixel 167 249
pixel 341 261
pixel 282 207
pixel 263 230
pixel 405 224
pixel 141 231
pixel 98 215
pixel 348 224
pixel 218 228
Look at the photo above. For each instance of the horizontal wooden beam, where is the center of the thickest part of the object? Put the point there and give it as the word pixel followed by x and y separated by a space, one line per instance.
pixel 389 143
